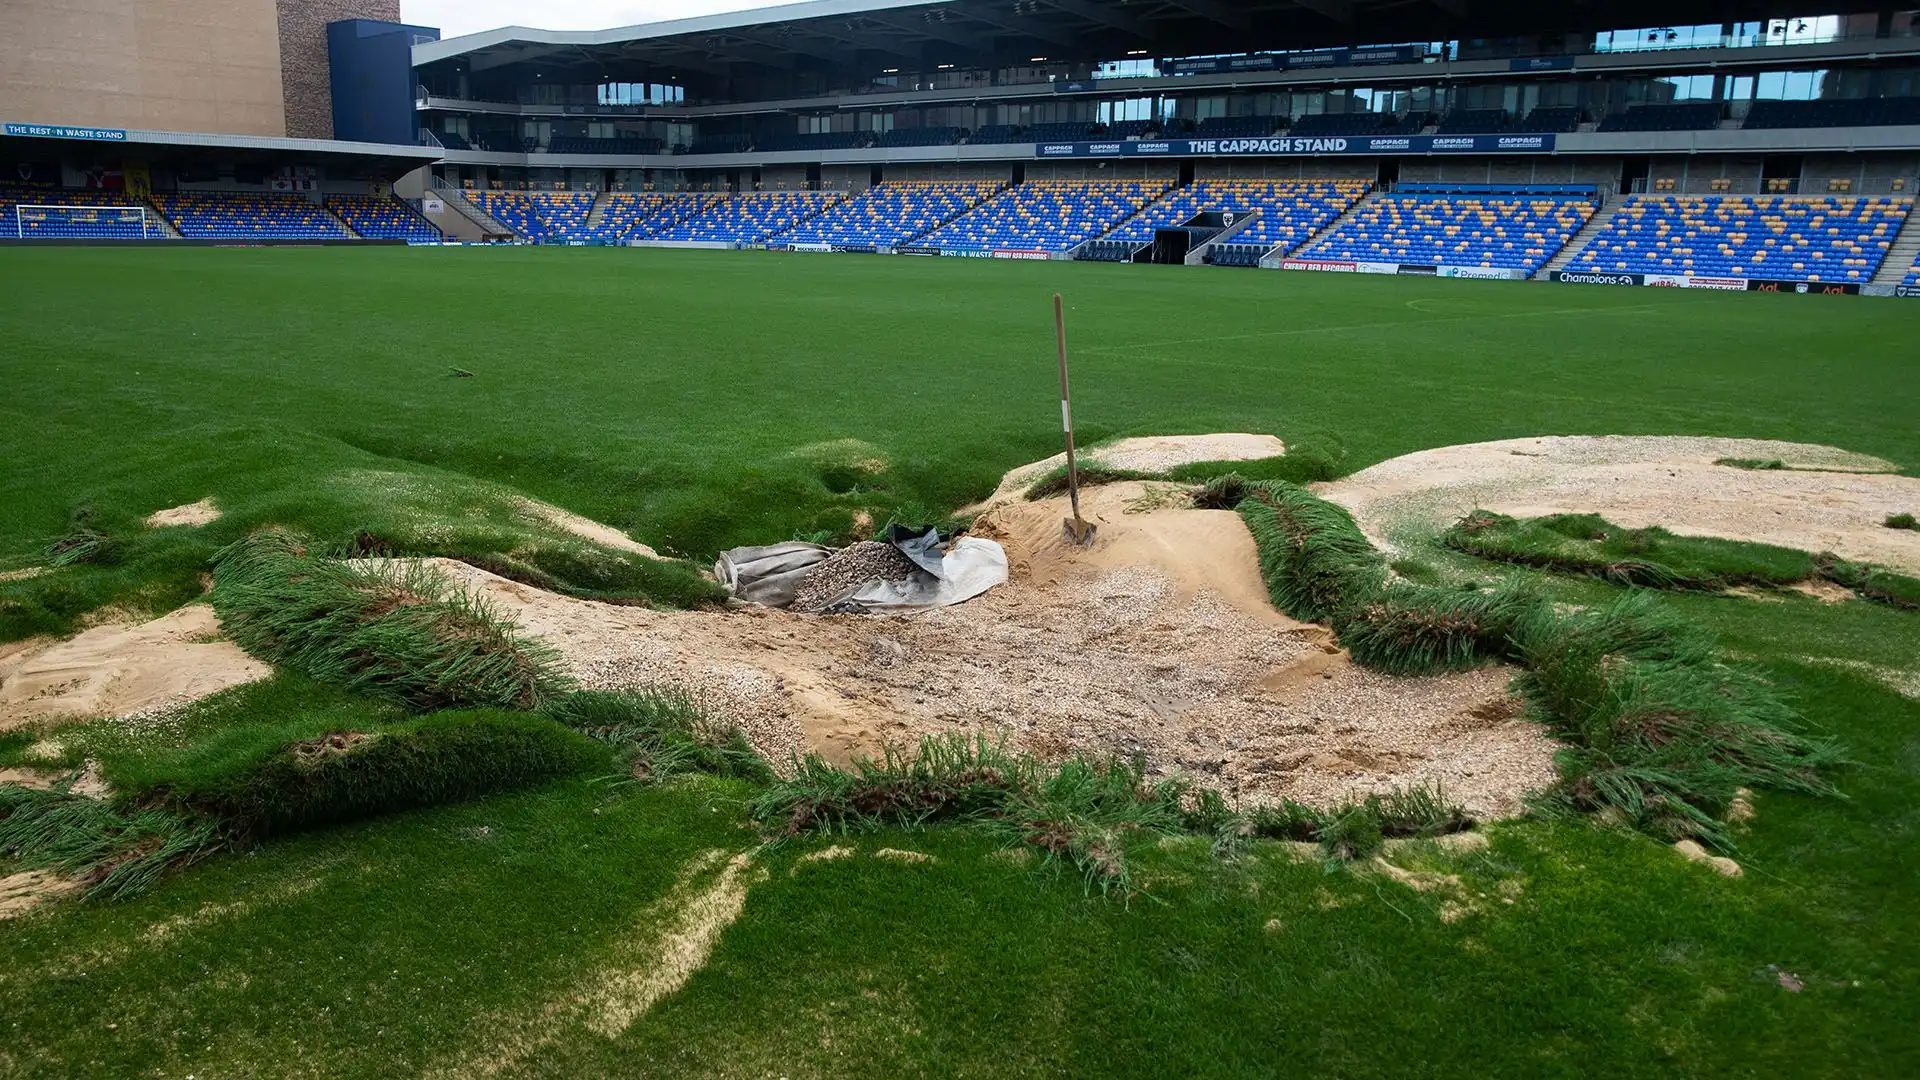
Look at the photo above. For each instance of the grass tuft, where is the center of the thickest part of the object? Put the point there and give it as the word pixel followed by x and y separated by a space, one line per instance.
pixel 347 775
pixel 1901 521
pixel 1653 557
pixel 661 733
pixel 1316 561
pixel 1092 474
pixel 1759 464
pixel 403 633
pixel 115 853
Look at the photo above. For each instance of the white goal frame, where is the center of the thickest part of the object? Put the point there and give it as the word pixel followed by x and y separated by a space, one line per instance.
pixel 147 229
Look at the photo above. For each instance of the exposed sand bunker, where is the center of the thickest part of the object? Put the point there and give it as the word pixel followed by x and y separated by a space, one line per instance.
pixel 118 669
pixel 193 514
pixel 1636 481
pixel 1147 454
pixel 1157 641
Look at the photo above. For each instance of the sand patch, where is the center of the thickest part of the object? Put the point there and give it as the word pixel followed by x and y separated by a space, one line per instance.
pixel 1158 641
pixel 1148 454
pixel 23 573
pixel 192 515
pixel 118 669
pixel 676 937
pixel 1693 852
pixel 22 892
pixel 1637 481
pixel 585 528
pixel 85 781
pixel 826 854
pixel 897 855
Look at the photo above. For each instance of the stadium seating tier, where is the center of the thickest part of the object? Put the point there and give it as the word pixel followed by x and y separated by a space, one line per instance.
pixel 1514 232
pixel 383 217
pixel 228 215
pixel 1783 238
pixel 1046 215
pixel 891 213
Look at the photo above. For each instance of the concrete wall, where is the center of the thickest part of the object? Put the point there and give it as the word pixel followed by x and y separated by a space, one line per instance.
pixel 305 78
pixel 178 65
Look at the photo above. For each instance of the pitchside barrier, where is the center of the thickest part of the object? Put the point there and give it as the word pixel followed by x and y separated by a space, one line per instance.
pixel 1727 284
pixel 1345 266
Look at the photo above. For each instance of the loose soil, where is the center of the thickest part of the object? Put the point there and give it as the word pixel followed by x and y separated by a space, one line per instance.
pixel 121 668
pixel 1159 640
pixel 22 892
pixel 586 528
pixel 1147 454
pixel 193 514
pixel 1825 501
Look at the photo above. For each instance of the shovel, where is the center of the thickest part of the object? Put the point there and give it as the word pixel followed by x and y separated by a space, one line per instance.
pixel 1078 529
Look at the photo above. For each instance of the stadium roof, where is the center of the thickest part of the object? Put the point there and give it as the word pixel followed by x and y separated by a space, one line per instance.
pixel 983 33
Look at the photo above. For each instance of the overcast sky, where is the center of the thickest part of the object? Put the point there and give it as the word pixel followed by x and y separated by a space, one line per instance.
pixel 457 17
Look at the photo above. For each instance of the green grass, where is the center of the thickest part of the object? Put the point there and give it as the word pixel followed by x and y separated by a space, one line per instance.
pixel 1902 521
pixel 699 400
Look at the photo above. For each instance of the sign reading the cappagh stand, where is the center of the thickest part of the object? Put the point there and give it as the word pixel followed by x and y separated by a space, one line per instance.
pixel 1299 146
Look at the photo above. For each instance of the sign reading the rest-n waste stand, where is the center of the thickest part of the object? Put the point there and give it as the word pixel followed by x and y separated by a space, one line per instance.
pixel 1300 146
pixel 59 131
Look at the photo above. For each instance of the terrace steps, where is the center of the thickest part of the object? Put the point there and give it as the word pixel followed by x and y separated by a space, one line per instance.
pixel 1902 255
pixel 1594 226
pixel 599 212
pixel 1372 196
pixel 167 227
pixel 344 224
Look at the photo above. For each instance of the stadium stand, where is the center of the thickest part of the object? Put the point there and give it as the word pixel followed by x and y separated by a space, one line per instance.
pixel 1473 122
pixel 750 217
pixel 31 223
pixel 1693 116
pixel 1236 127
pixel 1783 238
pixel 1839 112
pixel 1288 218
pixel 453 141
pixel 933 136
pixel 1046 215
pixel 236 215
pixel 1317 201
pixel 561 144
pixel 677 209
pixel 996 133
pixel 1549 121
pixel 545 217
pixel 720 144
pixel 1060 132
pixel 1132 129
pixel 824 140
pixel 379 217
pixel 891 213
pixel 1516 232
pixel 1336 125
pixel 622 215
pixel 1912 280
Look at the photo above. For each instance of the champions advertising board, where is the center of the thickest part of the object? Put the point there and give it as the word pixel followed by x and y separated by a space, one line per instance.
pixel 1293 146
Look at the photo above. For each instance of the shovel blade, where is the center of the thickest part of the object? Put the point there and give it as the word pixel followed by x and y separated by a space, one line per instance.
pixel 1078 530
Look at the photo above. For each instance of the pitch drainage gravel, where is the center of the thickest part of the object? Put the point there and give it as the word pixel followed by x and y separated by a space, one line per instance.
pixel 869 560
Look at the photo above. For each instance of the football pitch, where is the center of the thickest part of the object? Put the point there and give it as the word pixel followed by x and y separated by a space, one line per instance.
pixel 699 400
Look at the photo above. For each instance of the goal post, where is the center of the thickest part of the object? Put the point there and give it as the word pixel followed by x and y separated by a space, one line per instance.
pixel 61 219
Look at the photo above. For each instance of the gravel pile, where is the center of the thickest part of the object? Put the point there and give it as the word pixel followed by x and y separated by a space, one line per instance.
pixel 869 560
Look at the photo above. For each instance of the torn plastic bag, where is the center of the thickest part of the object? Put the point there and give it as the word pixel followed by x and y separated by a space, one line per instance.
pixel 971 566
pixel 920 543
pixel 768 575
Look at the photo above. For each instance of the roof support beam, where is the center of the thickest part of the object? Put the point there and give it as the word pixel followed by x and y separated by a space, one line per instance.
pixel 873 42
pixel 1216 12
pixel 1020 24
pixel 1341 11
pixel 791 43
pixel 937 29
pixel 1095 12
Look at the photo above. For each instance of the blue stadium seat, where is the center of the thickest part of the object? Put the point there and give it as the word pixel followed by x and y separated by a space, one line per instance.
pixel 1516 232
pixel 1473 122
pixel 1784 238
pixel 930 136
pixel 892 213
pixel 1046 215
pixel 1693 116
pixel 1545 121
pixel 545 217
pixel 1834 112
pixel 1236 127
pixel 751 217
pixel 383 217
pixel 230 215
pixel 998 133
pixel 104 214
pixel 1290 210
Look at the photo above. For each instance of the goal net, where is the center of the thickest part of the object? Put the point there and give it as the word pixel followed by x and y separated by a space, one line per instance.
pixel 29 219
